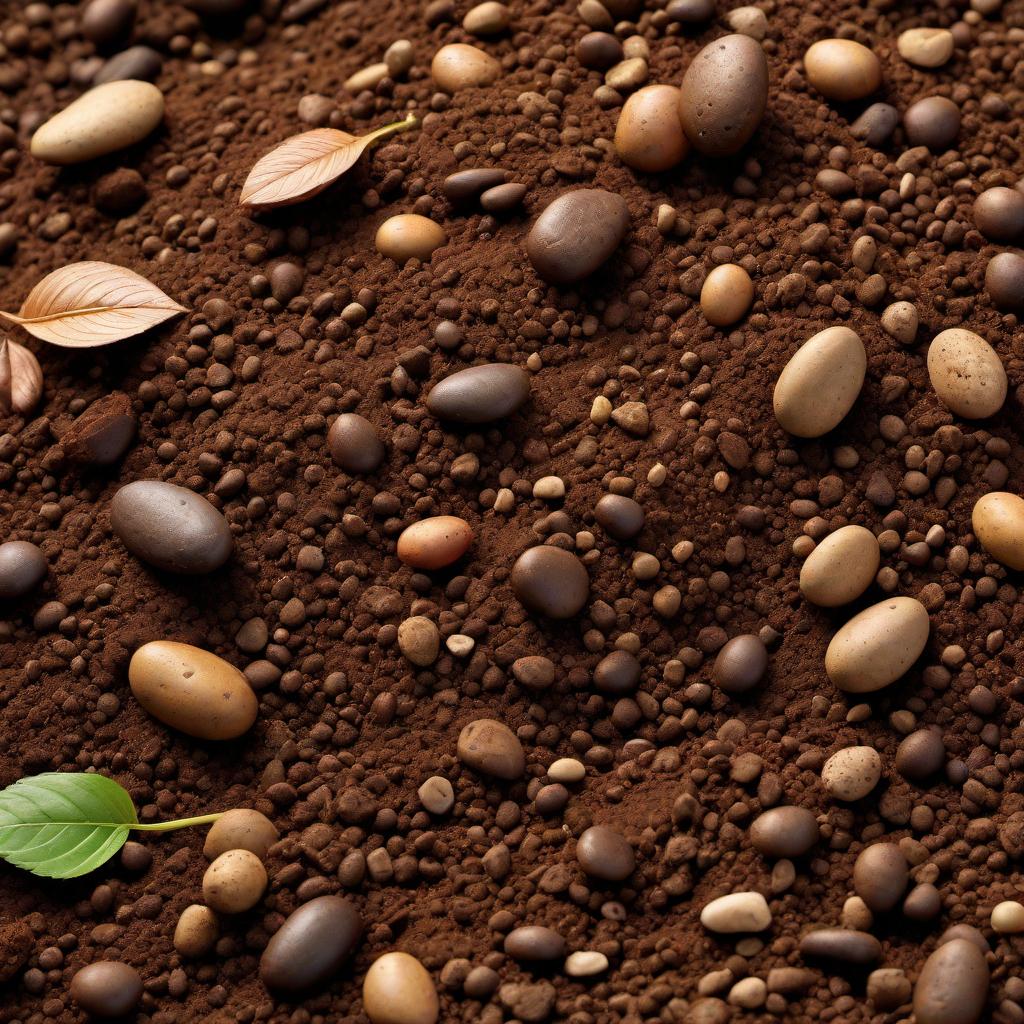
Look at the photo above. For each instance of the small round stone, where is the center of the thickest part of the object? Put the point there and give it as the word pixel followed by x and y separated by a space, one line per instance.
pixel 567 770
pixel 234 882
pixel 492 748
pixel 920 755
pixel 726 295
pixel 460 66
pixel 737 912
pixel 551 581
pixel 398 989
pixel 784 832
pixel 933 122
pixel 621 517
pixel 480 394
pixel 741 664
pixel 1004 280
pixel 599 51
pixel 999 214
pixel 409 236
pixel 22 568
pixel 617 673
pixel 1008 917
pixel 851 773
pixel 354 444
pixel 487 19
pixel 585 963
pixel 605 854
pixel 437 795
pixel 434 542
pixel 107 988
pixel 241 828
pixel 926 47
pixel 534 943
pixel 880 876
pixel 196 932
pixel 842 70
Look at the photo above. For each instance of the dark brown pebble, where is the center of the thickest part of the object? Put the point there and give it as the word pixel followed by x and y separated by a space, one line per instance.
pixel 311 946
pixel 107 988
pixel 22 568
pixel 876 125
pixel 120 192
pixel 952 987
pixel 551 581
pixel 463 186
pixel 170 527
pixel 534 942
pixel 965 931
pixel 576 233
pixel 102 434
pixel 691 12
pixel 480 394
pixel 105 22
pixel 1004 280
pixel 999 214
pixel 920 755
pixel 844 945
pixel 784 832
pixel 534 671
pixel 880 876
pixel 605 854
pixel 923 903
pixel 503 198
pixel 599 51
pixel 933 122
pixel 354 444
pixel 621 517
pixel 741 664
pixel 141 63
pixel 617 673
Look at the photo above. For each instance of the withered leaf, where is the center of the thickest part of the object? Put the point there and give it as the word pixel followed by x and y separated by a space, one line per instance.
pixel 21 378
pixel 84 305
pixel 304 165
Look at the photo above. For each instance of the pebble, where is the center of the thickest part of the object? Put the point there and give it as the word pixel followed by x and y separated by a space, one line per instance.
pixel 737 912
pixel 851 773
pixel 419 640
pixel 435 542
pixel 599 51
pixel 487 19
pixel 628 74
pixel 534 943
pixel 618 673
pixel 170 527
pixel 105 22
pixel 398 989
pixel 605 854
pixel 196 932
pixel 933 122
pixel 952 987
pixel 876 125
pixel 820 383
pixel 551 581
pixel 878 645
pixel 107 988
pixel 966 373
pixel 998 522
pixel 234 882
pixel 585 963
pixel 888 988
pixel 141 63
pixel 354 444
pixel 23 567
pixel 841 567
pixel 102 120
pixel 726 295
pixel 619 516
pixel 462 186
pixel 724 94
pixel 842 70
pixel 784 832
pixel 649 136
pixel 437 795
pixel 844 945
pixel 900 321
pixel 309 949
pixel 920 755
pixel 240 829
pixel 741 664
pixel 192 690
pixel 460 66
pixel 480 394
pixel 1007 918
pixel 925 47
pixel 492 748
pixel 409 236
pixel 503 198
pixel 576 233
pixel 999 214
pixel 1004 280
pixel 103 433
pixel 880 876
pixel 748 21
pixel 567 770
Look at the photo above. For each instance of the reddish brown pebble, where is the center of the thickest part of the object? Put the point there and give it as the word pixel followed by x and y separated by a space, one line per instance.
pixel 22 568
pixel 1004 280
pixel 354 444
pixel 784 832
pixel 551 582
pixel 480 394
pixel 435 542
pixel 880 876
pixel 620 516
pixel 492 748
pixel 107 988
pixel 999 214
pixel 741 664
pixel 605 854
pixel 952 987
pixel 933 122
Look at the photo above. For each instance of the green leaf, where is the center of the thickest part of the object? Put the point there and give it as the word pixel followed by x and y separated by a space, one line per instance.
pixel 62 825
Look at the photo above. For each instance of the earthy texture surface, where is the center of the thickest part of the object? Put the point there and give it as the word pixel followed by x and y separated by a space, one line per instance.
pixel 235 399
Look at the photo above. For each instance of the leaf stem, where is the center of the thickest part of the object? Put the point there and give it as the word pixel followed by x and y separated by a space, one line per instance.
pixel 169 826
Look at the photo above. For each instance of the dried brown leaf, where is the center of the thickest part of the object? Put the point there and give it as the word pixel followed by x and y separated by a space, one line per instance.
pixel 304 165
pixel 21 378
pixel 88 304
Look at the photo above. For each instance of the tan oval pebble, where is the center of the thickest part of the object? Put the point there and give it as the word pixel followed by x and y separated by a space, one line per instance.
pixel 585 963
pixel 952 987
pixel 436 795
pixel 419 640
pixel 567 770
pixel 842 70
pixel 966 373
pixel 925 47
pixel 398 990
pixel 1008 917
pixel 408 236
pixel 998 522
pixel 434 542
pixel 459 66
pixel 102 120
pixel 234 882
pixel 726 295
pixel 900 321
pixel 820 383
pixel 851 773
pixel 649 135
pixel 487 19
pixel 240 829
pixel 737 912
pixel 492 748
pixel 192 690
pixel 196 932
pixel 366 78
pixel 841 567
pixel 877 646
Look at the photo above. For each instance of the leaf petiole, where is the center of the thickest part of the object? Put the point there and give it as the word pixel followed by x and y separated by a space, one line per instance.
pixel 169 826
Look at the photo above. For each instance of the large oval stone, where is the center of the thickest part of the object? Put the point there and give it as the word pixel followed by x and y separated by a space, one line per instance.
pixel 480 394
